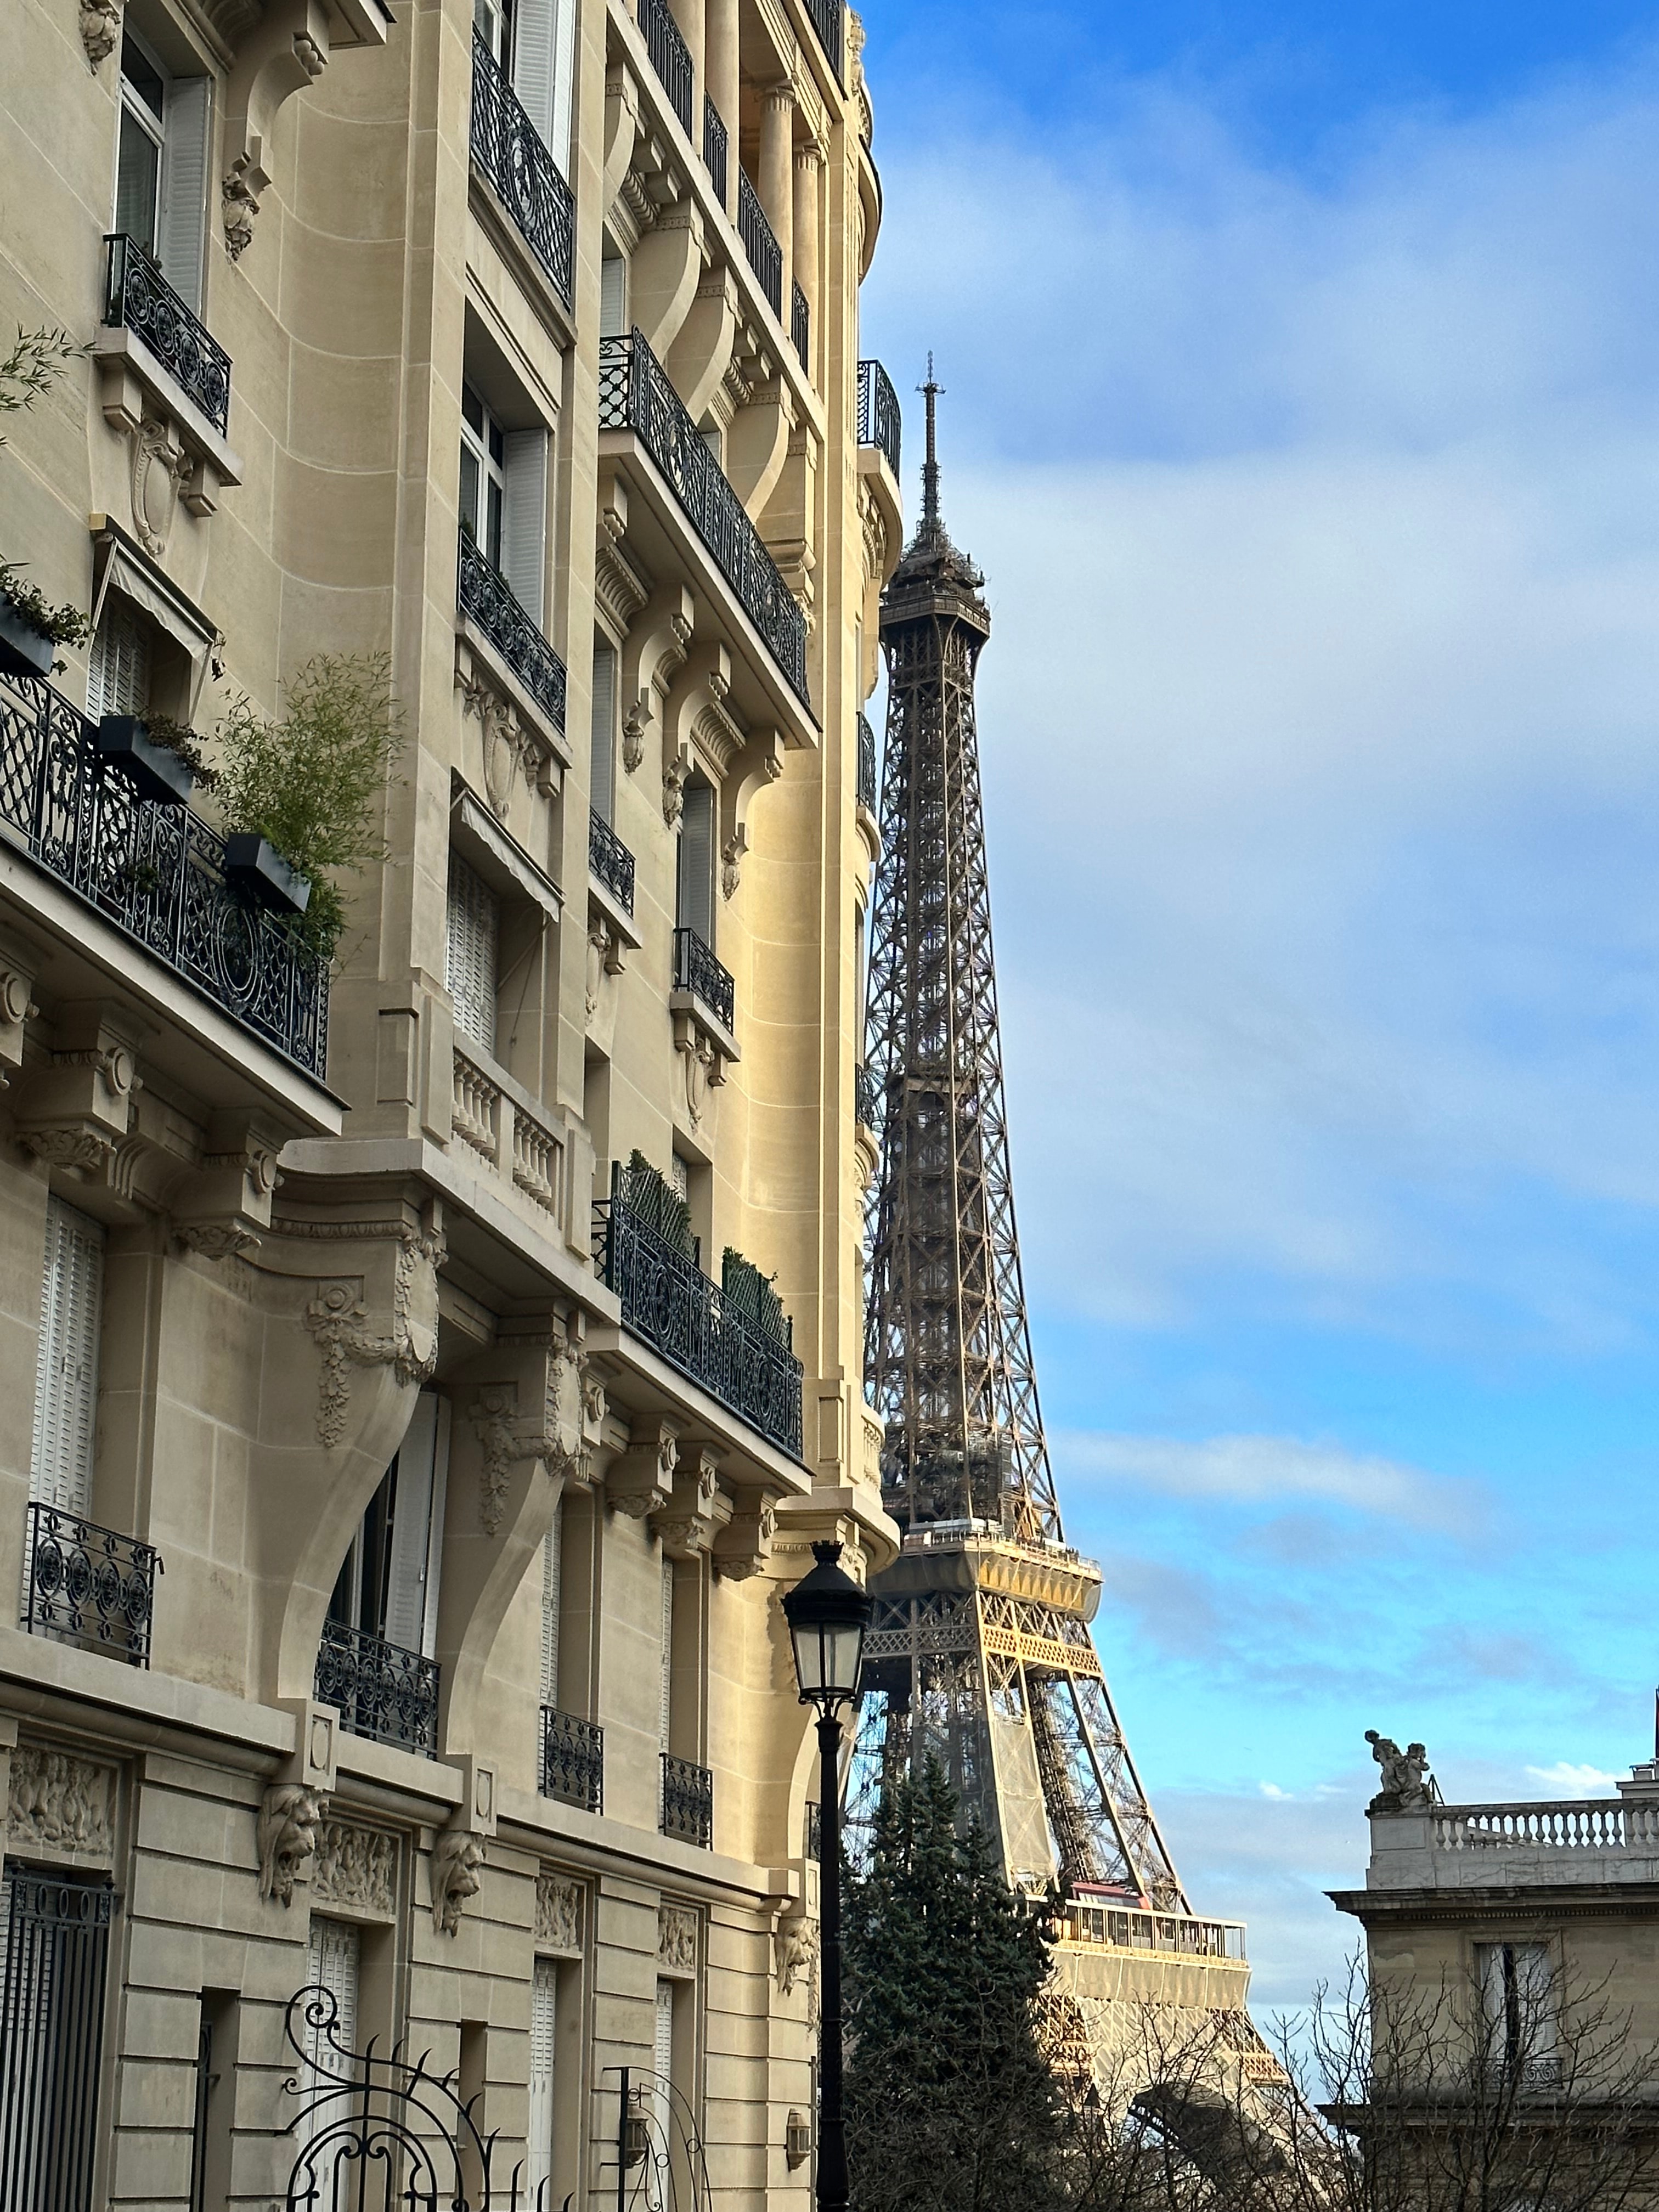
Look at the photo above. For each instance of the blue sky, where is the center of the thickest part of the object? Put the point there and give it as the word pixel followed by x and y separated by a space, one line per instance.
pixel 1303 407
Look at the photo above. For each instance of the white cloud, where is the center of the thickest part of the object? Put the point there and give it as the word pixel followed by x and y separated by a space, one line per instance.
pixel 1269 1470
pixel 1567 1779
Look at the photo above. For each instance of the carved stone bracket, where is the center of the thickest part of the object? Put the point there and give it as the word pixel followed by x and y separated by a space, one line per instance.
pixel 458 1858
pixel 290 1818
pixel 697 1509
pixel 553 1434
pixel 77 1106
pixel 641 1479
pixel 339 1321
pixel 743 1546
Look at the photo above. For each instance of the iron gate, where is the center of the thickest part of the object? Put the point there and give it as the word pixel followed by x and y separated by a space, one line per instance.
pixel 55 1938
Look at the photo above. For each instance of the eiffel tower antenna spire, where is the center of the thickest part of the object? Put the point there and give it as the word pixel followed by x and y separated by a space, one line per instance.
pixel 979 1652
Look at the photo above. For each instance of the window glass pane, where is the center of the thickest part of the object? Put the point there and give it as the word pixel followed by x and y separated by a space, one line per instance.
pixel 137 181
pixel 492 538
pixel 472 410
pixel 142 76
pixel 469 491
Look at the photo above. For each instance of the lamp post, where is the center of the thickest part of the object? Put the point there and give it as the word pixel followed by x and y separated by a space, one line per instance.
pixel 828 1613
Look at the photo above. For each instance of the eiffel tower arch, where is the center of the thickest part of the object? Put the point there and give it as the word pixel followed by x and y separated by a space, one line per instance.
pixel 979 1652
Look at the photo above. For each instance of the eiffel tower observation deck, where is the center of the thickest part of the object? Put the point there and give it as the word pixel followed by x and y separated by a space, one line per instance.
pixel 981 1653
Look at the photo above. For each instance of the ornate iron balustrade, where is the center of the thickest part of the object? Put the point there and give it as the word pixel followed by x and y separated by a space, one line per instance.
pixel 867 793
pixel 573 1760
pixel 688 1801
pixel 714 144
pixel 484 594
pixel 139 298
pixel 635 394
pixel 156 873
pixel 867 1095
pixel 760 242
pixel 518 161
pixel 380 1691
pixel 671 57
pixel 88 1584
pixel 800 327
pixel 826 22
pixel 696 970
pixel 668 1301
pixel 610 859
pixel 879 421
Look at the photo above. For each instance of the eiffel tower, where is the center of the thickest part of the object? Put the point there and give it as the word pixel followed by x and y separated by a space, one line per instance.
pixel 979 1652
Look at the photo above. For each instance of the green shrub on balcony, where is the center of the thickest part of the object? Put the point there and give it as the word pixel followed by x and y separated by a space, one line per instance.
pixel 657 1206
pixel 750 1295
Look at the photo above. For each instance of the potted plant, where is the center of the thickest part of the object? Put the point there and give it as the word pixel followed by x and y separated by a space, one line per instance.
pixel 31 628
pixel 161 759
pixel 305 795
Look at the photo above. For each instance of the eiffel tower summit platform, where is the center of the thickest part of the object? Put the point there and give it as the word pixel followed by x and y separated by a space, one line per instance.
pixel 981 1653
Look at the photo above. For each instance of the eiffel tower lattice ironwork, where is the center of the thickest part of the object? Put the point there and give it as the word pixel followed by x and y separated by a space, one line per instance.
pixel 980 1651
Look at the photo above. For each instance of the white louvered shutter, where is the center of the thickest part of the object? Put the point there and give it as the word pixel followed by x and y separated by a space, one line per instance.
pixel 334 1964
pixel 182 229
pixel 416 1529
pixel 524 518
pixel 533 32
pixel 474 929
pixel 118 670
pixel 543 2035
pixel 564 77
pixel 696 888
pixel 667 1685
pixel 613 297
pixel 602 779
pixel 662 2060
pixel 551 1547
pixel 66 1364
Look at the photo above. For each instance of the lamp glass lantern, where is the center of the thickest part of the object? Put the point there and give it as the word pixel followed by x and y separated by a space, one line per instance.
pixel 828 1613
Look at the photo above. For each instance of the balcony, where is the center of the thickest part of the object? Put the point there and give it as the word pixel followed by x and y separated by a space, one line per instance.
pixel 573 1760
pixel 800 327
pixel 514 158
pixel 610 862
pixel 696 970
pixel 715 148
pixel 139 298
pixel 879 422
pixel 1130 1928
pixel 157 874
pixel 1525 1845
pixel 636 395
pixel 827 16
pixel 866 790
pixel 484 596
pixel 379 1689
pixel 687 1811
pixel 671 57
pixel 760 243
pixel 87 1585
pixel 668 1301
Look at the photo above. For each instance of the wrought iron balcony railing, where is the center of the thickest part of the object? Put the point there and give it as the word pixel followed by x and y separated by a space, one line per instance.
pixel 715 148
pixel 696 970
pixel 573 1760
pixel 610 861
pixel 483 593
pixel 688 1801
pixel 668 1301
pixel 519 162
pixel 156 873
pixel 139 298
pixel 760 242
pixel 671 57
pixel 635 394
pixel 867 793
pixel 380 1690
pixel 879 421
pixel 88 1584
pixel 800 327
pixel 867 1094
pixel 826 22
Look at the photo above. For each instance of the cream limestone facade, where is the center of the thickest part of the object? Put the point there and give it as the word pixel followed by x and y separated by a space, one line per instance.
pixel 395 1581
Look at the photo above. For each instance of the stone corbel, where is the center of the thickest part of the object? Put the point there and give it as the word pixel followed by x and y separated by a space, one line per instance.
pixel 758 765
pixel 223 1209
pixel 694 712
pixel 697 1509
pixel 284 53
pixel 289 1817
pixel 698 359
pixel 743 1547
pixel 622 128
pixel 458 1858
pixel 536 1414
pixel 655 651
pixel 76 1108
pixel 663 279
pixel 620 587
pixel 641 1479
pixel 20 962
pixel 759 444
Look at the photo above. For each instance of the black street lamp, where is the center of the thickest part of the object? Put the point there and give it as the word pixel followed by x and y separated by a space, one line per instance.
pixel 828 1613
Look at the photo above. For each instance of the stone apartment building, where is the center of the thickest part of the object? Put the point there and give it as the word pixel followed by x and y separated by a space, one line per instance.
pixel 418 1380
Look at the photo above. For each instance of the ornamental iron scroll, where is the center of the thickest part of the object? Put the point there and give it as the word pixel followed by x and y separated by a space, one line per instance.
pixel 383 2135
pixel 483 593
pixel 658 2156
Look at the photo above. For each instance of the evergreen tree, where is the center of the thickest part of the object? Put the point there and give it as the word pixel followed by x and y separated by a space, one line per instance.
pixel 950 2105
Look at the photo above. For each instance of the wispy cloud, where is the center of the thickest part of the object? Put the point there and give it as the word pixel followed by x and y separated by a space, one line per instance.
pixel 1272 1471
pixel 1571 1780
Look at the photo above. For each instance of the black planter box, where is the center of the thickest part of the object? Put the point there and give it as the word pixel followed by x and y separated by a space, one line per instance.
pixel 23 650
pixel 256 867
pixel 155 771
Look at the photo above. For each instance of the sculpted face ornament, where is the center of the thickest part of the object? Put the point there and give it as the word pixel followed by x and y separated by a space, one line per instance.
pixel 289 1820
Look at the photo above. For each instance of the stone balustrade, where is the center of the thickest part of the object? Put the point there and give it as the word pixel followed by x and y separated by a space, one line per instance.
pixel 1545 1842
pixel 499 1123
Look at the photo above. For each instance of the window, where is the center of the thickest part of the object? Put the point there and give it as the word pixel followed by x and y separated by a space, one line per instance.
pixel 493 21
pixel 613 296
pixel 602 783
pixel 216 2076
pixel 54 1953
pixel 475 914
pixel 543 56
pixel 388 1586
pixel 335 1964
pixel 1517 2000
pixel 484 474
pixel 544 2048
pixel 696 873
pixel 119 669
pixel 66 1362
pixel 160 166
pixel 551 1563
